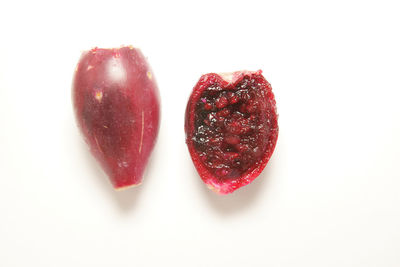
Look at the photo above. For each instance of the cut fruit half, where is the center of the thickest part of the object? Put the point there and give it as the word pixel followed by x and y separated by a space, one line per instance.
pixel 231 128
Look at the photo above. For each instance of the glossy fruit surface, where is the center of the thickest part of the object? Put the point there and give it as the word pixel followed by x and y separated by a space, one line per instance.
pixel 231 128
pixel 117 107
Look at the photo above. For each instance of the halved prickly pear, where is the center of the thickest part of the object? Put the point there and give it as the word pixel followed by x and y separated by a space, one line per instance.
pixel 231 128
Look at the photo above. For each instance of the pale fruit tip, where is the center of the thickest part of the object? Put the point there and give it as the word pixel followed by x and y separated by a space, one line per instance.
pixel 125 187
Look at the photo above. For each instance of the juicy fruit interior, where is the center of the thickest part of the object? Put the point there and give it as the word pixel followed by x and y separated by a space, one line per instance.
pixel 231 128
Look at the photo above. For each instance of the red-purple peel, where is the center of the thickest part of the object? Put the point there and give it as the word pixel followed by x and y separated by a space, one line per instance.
pixel 231 128
pixel 117 107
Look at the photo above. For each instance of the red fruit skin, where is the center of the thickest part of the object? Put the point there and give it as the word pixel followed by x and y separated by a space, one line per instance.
pixel 117 108
pixel 228 81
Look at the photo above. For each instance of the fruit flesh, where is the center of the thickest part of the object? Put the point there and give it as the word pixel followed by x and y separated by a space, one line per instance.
pixel 231 128
pixel 116 104
pixel 226 123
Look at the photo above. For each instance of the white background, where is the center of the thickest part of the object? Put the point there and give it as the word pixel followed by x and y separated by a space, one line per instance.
pixel 330 195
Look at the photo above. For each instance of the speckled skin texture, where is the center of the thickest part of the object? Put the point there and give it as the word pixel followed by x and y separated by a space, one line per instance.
pixel 117 107
pixel 231 128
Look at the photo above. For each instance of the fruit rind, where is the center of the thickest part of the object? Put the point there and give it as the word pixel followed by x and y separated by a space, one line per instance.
pixel 117 108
